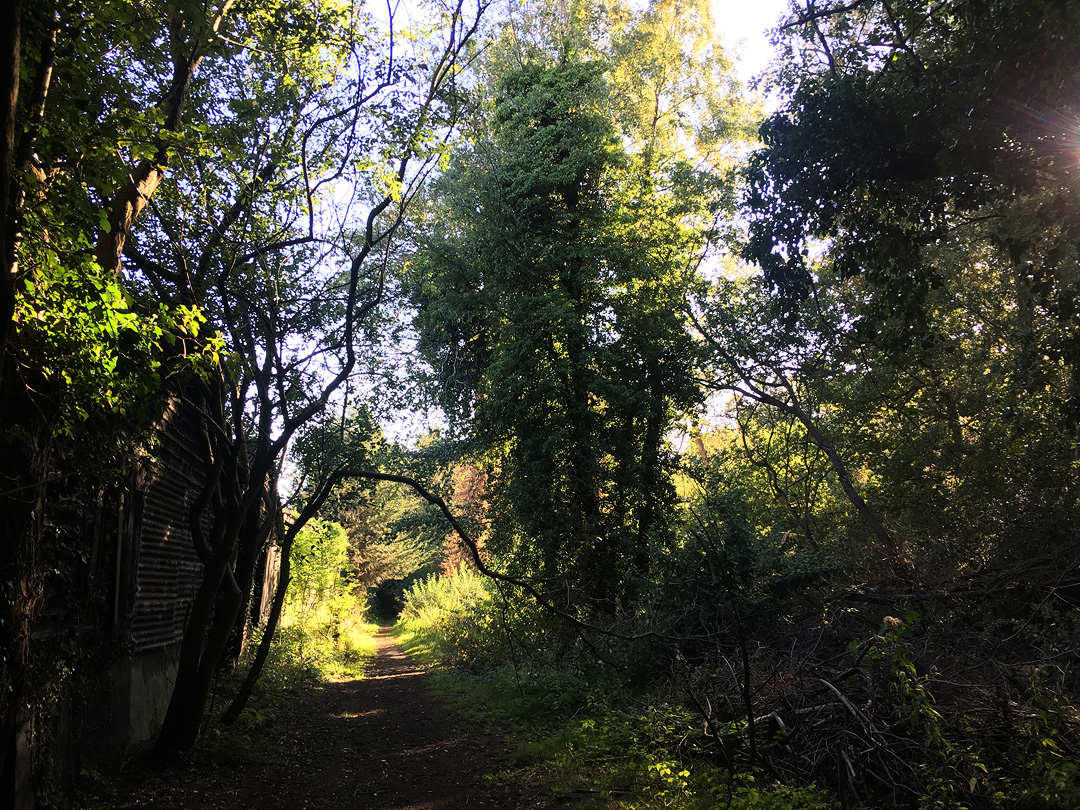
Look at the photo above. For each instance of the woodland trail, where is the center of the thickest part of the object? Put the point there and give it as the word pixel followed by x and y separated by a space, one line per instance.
pixel 382 742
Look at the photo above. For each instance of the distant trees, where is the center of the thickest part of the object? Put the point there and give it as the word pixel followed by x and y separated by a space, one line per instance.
pixel 317 567
pixel 891 353
pixel 911 322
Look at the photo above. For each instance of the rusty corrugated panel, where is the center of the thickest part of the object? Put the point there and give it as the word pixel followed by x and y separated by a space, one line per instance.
pixel 168 570
pixel 271 572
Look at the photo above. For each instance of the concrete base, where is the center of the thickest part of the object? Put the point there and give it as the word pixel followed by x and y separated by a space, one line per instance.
pixel 142 684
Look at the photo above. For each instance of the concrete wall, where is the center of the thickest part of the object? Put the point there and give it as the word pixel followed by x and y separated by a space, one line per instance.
pixel 141 687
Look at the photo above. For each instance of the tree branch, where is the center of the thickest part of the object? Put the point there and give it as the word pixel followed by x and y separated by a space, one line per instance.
pixel 812 14
pixel 127 204
pixel 792 407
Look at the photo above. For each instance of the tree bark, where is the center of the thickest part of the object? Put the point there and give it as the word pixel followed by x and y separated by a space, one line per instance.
pixel 233 712
pixel 322 492
pixel 257 528
pixel 10 59
pixel 650 464
pixel 868 514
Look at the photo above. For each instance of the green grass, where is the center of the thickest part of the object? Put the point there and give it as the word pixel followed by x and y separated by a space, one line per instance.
pixel 353 649
pixel 421 647
pixel 595 742
pixel 596 746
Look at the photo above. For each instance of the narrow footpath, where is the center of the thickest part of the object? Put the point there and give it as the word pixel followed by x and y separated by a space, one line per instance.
pixel 381 743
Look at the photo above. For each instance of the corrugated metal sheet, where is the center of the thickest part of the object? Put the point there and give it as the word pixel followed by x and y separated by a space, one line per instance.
pixel 168 569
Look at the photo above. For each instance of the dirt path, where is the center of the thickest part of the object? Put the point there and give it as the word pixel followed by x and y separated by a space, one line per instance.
pixel 382 742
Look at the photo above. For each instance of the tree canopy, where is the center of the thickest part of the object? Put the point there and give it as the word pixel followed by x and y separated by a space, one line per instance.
pixel 701 381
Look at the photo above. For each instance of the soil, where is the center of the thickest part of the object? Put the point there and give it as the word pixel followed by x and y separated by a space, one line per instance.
pixel 380 742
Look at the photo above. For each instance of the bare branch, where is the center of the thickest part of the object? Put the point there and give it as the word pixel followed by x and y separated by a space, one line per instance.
pixel 813 14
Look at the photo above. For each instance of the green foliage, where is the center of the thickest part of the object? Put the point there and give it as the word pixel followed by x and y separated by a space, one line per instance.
pixel 956 765
pixel 302 653
pixel 392 533
pixel 1048 768
pixel 550 311
pixel 955 144
pixel 727 570
pixel 934 435
pixel 455 616
pixel 329 444
pixel 299 657
pixel 105 355
pixel 319 572
pixel 94 352
pixel 323 631
pixel 586 734
pixel 912 341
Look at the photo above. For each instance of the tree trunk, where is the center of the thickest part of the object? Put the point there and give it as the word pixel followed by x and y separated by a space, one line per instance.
pixel 861 506
pixel 650 463
pixel 868 515
pixel 16 503
pixel 10 57
pixel 262 653
pixel 24 466
pixel 128 203
pixel 793 408
pixel 205 637
pixel 257 528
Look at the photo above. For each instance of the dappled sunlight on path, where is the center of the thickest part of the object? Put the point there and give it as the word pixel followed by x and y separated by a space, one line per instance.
pixel 396 747
pixel 391 660
pixel 377 743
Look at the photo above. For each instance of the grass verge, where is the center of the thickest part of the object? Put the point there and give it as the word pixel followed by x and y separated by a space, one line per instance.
pixel 595 744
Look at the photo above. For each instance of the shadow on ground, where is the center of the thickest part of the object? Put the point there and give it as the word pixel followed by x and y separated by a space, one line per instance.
pixel 381 743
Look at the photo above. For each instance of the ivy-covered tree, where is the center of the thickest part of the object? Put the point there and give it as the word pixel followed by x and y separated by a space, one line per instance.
pixel 523 287
pixel 550 300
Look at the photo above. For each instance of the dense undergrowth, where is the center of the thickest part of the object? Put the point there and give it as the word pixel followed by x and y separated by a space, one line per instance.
pixel 849 698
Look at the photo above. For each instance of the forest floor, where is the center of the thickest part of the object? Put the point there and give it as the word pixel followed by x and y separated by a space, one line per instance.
pixel 378 742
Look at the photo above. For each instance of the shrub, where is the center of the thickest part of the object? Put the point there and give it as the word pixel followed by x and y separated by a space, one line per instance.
pixel 456 615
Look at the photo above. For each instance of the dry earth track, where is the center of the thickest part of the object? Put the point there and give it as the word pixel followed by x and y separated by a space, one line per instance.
pixel 381 743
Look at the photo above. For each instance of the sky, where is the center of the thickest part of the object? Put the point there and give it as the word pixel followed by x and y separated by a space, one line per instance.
pixel 742 25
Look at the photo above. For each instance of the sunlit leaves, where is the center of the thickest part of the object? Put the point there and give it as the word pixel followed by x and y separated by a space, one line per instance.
pixel 101 352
